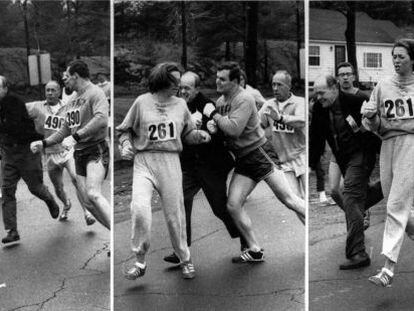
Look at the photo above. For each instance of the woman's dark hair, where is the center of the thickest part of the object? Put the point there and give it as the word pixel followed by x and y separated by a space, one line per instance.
pixel 408 44
pixel 161 78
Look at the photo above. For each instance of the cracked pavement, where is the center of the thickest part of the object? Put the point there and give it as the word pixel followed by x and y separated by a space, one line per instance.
pixel 332 289
pixel 56 265
pixel 276 284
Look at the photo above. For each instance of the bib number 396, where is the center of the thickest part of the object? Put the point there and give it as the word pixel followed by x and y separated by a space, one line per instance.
pixel 73 118
pixel 162 131
pixel 399 108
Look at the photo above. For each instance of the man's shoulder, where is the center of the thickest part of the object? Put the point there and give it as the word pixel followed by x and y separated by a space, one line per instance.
pixel 201 98
pixel 297 99
pixel 350 98
pixel 12 97
pixel 244 95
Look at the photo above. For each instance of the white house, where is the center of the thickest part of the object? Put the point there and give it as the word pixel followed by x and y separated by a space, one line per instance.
pixel 327 44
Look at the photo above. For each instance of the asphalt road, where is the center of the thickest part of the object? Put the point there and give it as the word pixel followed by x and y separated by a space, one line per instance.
pixel 332 289
pixel 57 265
pixel 276 284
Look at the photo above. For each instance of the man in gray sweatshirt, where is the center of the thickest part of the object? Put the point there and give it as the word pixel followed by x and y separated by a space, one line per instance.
pixel 236 116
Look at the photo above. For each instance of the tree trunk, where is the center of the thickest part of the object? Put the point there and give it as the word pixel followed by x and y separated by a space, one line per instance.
pixel 250 57
pixel 23 7
pixel 227 52
pixel 298 36
pixel 350 36
pixel 183 35
pixel 265 71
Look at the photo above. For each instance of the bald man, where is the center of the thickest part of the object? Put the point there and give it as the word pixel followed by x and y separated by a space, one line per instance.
pixel 48 116
pixel 17 131
pixel 340 123
pixel 204 166
pixel 284 115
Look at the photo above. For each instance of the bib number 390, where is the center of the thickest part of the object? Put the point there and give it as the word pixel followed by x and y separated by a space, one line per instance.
pixel 162 131
pixel 73 118
pixel 399 109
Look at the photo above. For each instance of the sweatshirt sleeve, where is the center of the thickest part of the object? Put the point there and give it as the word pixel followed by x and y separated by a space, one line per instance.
pixel 297 120
pixel 131 121
pixel 373 124
pixel 99 119
pixel 234 124
pixel 264 119
pixel 58 136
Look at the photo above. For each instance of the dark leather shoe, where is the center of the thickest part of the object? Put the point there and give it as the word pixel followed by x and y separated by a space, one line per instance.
pixel 173 258
pixel 53 208
pixel 12 236
pixel 355 262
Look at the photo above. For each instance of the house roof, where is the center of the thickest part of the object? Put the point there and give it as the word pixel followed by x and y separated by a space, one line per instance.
pixel 330 25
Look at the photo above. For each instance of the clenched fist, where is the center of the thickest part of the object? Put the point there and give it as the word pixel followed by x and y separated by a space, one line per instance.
pixel 36 146
pixel 212 126
pixel 126 150
pixel 204 136
pixel 368 109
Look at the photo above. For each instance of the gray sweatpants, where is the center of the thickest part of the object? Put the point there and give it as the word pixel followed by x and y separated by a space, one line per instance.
pixel 160 171
pixel 397 181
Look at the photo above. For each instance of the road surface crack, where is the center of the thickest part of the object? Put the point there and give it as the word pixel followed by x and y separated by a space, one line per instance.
pixel 99 251
pixel 42 303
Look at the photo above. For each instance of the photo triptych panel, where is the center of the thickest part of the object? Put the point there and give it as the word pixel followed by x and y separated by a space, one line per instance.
pixel 206 155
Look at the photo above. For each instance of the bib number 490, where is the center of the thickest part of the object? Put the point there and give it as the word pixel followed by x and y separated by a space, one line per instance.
pixel 162 131
pixel 53 122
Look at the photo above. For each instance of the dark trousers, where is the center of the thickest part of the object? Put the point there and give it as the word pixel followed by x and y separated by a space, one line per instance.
pixel 359 196
pixel 213 183
pixel 19 162
pixel 320 177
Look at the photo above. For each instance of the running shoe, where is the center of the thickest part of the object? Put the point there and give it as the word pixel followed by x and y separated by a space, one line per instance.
pixel 249 256
pixel 65 211
pixel 187 270
pixel 172 258
pixel 383 278
pixel 89 220
pixel 136 271
pixel 12 236
pixel 327 202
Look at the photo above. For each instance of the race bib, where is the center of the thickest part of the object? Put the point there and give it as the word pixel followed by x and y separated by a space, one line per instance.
pixel 400 108
pixel 282 128
pixel 162 131
pixel 73 118
pixel 53 122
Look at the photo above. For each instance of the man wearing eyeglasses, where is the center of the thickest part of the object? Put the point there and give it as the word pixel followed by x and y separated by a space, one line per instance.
pixel 346 77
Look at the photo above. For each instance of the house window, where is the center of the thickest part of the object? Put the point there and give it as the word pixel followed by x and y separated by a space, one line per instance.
pixel 372 60
pixel 314 55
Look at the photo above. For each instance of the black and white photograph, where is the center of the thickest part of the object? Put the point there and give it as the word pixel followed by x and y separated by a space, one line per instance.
pixel 361 224
pixel 55 160
pixel 210 155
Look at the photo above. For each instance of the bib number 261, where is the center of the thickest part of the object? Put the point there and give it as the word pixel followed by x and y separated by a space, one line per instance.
pixel 161 131
pixel 399 109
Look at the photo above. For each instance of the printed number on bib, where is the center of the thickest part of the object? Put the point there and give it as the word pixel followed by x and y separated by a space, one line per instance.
pixel 162 131
pixel 73 118
pixel 53 122
pixel 401 108
pixel 282 128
